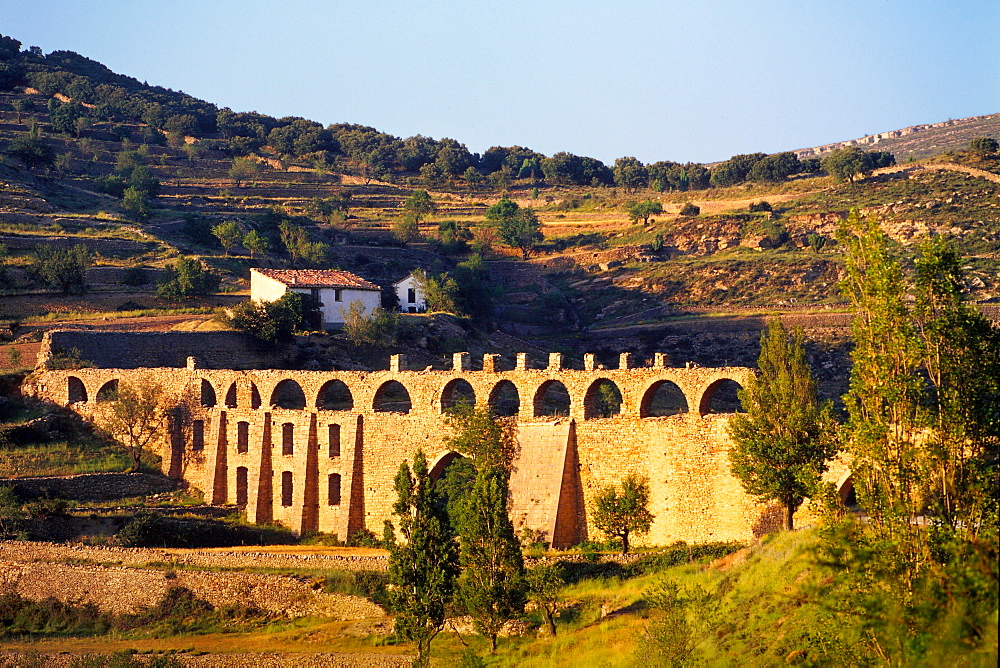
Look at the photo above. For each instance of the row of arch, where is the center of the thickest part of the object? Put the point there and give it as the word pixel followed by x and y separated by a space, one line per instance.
pixel 603 398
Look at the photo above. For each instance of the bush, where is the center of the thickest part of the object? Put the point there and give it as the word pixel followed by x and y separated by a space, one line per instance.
pixel 690 209
pixel 187 278
pixel 381 328
pixel 682 553
pixel 150 530
pixel 134 277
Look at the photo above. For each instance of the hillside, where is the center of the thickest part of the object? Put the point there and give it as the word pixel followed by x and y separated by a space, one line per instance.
pixel 599 281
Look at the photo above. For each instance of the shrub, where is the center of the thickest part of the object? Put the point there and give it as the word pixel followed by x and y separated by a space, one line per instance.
pixel 690 209
pixel 150 530
pixel 187 278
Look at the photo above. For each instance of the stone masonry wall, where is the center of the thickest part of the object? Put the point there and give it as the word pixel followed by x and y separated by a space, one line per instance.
pixel 92 486
pixel 694 496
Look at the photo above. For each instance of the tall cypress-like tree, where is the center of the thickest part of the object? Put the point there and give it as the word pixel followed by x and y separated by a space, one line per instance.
pixel 422 570
pixel 783 441
pixel 492 585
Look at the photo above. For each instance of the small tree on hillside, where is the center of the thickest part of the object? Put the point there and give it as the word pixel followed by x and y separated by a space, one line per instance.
pixel 419 204
pixel 256 243
pixel 544 582
pixel 64 268
pixel 643 210
pixel 422 570
pixel 136 417
pixel 407 229
pixel 984 145
pixel 783 441
pixel 243 169
pixel 228 233
pixel 623 513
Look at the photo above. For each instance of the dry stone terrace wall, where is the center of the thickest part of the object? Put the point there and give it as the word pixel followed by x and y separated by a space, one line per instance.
pixel 314 469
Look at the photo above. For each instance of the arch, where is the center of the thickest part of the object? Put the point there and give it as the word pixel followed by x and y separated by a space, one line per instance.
pixel 504 401
pixel 721 397
pixel 442 464
pixel 458 392
pixel 847 493
pixel 108 391
pixel 75 390
pixel 335 396
pixel 551 399
pixel 254 397
pixel 288 394
pixel 392 397
pixel 603 400
pixel 231 396
pixel 208 398
pixel 663 398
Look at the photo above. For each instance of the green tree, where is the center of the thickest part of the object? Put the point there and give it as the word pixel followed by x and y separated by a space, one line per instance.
pixel 275 322
pixel 419 204
pixel 31 150
pixel 65 268
pixel 136 417
pixel 923 433
pixel 623 513
pixel 643 210
pixel 136 203
pixel 301 249
pixel 775 168
pixel 544 584
pixel 256 243
pixel 848 164
pixel 984 145
pixel 630 174
pixel 407 228
pixel 492 584
pixel 228 233
pixel 781 444
pixel 422 569
pixel 381 327
pixel 187 278
pixel 440 290
pixel 472 177
pixel 515 226
pixel 243 169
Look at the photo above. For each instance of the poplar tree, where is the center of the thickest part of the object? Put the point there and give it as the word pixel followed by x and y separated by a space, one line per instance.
pixel 422 570
pixel 784 439
pixel 492 585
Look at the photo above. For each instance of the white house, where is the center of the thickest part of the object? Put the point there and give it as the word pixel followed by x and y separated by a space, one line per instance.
pixel 335 290
pixel 412 298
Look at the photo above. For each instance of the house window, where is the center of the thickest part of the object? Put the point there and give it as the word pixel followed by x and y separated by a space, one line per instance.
pixel 411 296
pixel 198 435
pixel 314 293
pixel 333 489
pixel 334 440
pixel 287 438
pixel 286 488
pixel 338 295
pixel 242 436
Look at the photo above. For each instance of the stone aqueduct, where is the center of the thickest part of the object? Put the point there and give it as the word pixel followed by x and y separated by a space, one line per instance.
pixel 318 450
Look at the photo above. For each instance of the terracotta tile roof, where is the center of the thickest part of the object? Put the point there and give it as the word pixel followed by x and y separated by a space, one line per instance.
pixel 318 278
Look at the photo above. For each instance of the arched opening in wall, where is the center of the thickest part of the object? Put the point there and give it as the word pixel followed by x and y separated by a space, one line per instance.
pixel 76 391
pixel 504 400
pixel 453 477
pixel 551 400
pixel 208 399
pixel 254 397
pixel 241 486
pixel 603 400
pixel 286 488
pixel 231 396
pixel 242 436
pixel 457 392
pixel 662 399
pixel 288 394
pixel 333 489
pixel 288 439
pixel 392 397
pixel 848 496
pixel 335 396
pixel 108 391
pixel 721 397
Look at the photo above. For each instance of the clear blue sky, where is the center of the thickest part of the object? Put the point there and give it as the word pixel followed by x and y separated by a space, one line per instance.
pixel 696 80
